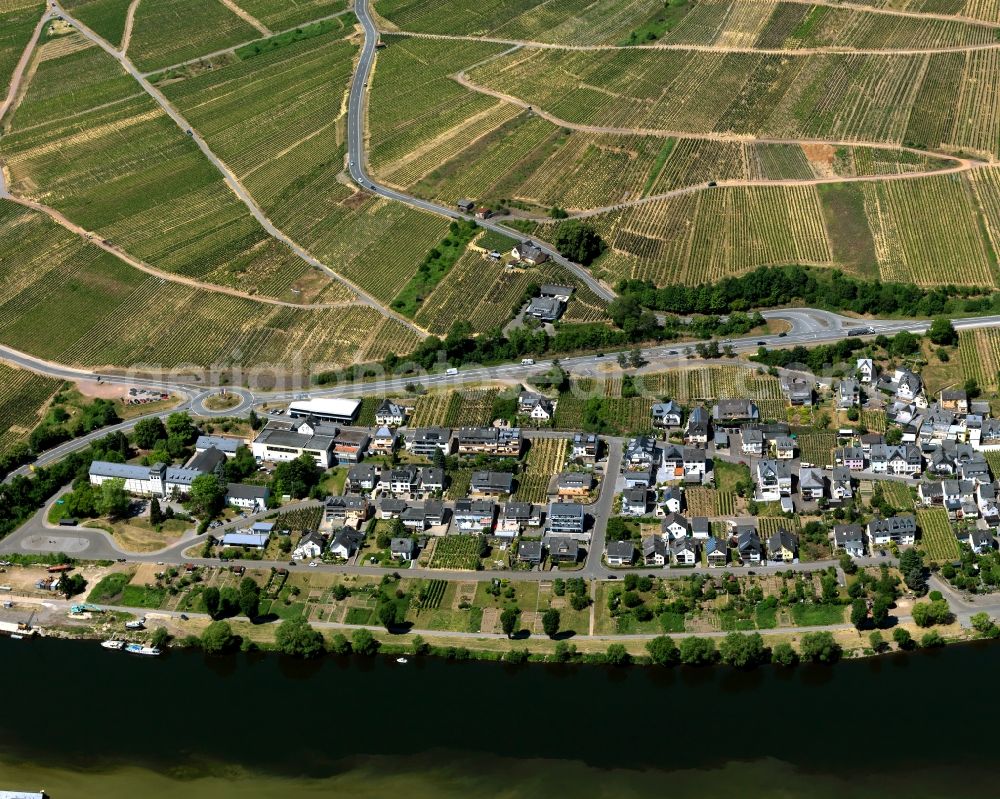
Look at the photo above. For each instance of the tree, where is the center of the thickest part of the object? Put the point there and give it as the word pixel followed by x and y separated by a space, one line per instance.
pixel 848 565
pixel 254 420
pixel 241 465
pixel 662 651
pixel 876 641
pixel 339 645
pixel 931 639
pixel 297 638
pixel 927 614
pixel 218 638
pixel 893 436
pixel 210 597
pixel 565 652
pixel 71 584
pixel 859 613
pixel 364 643
pixel 902 638
pixel 942 332
pixel 206 496
pixel 617 655
pixel 113 502
pixel 155 514
pixel 387 614
pixel 508 620
pixel 550 622
pixel 249 598
pixel 296 477
pixel 578 241
pixel 820 648
pixel 147 432
pixel 984 626
pixel 742 651
pixel 912 567
pixel 783 654
pixel 696 651
pixel 880 609
pixel 182 428
pixel 160 637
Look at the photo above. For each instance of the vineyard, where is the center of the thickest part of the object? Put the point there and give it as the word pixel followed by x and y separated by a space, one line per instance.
pixel 105 17
pixel 709 502
pixel 281 15
pixel 274 119
pixel 567 22
pixel 546 457
pixel 17 22
pixel 457 552
pixel 430 594
pixel 816 447
pixel 873 420
pixel 465 408
pixel 993 459
pixel 897 494
pixel 299 520
pixel 712 382
pixel 23 395
pixel 769 525
pixel 171 31
pixel 99 303
pixel 937 535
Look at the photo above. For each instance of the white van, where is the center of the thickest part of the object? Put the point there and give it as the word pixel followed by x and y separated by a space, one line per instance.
pixel 452 371
pixel 527 362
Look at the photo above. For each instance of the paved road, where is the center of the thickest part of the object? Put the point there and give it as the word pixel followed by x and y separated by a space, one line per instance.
pixel 601 510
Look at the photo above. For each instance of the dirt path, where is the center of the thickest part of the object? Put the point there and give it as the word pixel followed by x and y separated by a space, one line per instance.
pixel 135 263
pixel 129 22
pixel 702 48
pixel 247 17
pixel 18 74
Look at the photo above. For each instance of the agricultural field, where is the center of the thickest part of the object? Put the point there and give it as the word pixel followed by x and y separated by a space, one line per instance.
pixel 47 273
pixel 465 408
pixel 545 458
pixel 17 22
pixel 281 15
pixel 565 22
pixel 897 494
pixel 873 421
pixel 125 171
pixel 979 353
pixel 712 382
pixel 23 397
pixel 106 18
pixel 457 552
pixel 171 31
pixel 937 536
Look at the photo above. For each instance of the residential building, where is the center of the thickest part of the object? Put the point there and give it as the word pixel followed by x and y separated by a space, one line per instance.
pixel 390 414
pixel 734 412
pixel 716 551
pixel 574 484
pixel 247 497
pixel 634 502
pixel 655 551
pixel 841 487
pixel 667 414
pixel 784 447
pixel 669 500
pixel 529 253
pixel 521 514
pixel 349 446
pixel 530 552
pixel 619 553
pixel 774 479
pixel 404 549
pixel 428 440
pixel 641 453
pixel 383 442
pixel 345 543
pixel 311 545
pixel 535 406
pixel 696 430
pixel 566 517
pixel 752 441
pixel 955 399
pixel 684 552
pixel 900 530
pixel 227 445
pixel 850 538
pixel 391 508
pixel 349 510
pixel 701 527
pixel 564 550
pixel 502 441
pixel 812 484
pixel 848 393
pixel 749 547
pixel 639 477
pixel 546 309
pixel 674 526
pixel 865 370
pixel 584 448
pixel 798 390
pixel 782 546
pixel 852 458
pixel 491 484
pixel 695 465
pixel 474 515
pixel 363 477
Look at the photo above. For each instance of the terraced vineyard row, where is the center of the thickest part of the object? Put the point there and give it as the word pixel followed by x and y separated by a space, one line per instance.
pixel 897 494
pixel 281 14
pixel 937 537
pixel 105 17
pixel 709 502
pixel 713 382
pixel 816 448
pixel 979 351
pixel 17 22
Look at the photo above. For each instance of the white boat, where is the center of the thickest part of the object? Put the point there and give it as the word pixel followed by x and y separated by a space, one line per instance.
pixel 17 637
pixel 139 649
pixel 138 624
pixel 402 660
pixel 113 644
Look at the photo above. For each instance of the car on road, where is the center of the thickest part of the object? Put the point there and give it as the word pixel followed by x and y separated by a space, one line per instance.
pixel 782 334
pixel 292 563
pixel 671 352
pixel 184 617
pixel 612 576
pixel 762 343
pixel 313 565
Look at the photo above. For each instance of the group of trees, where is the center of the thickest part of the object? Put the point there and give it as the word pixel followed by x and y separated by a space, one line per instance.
pixel 772 286
pixel 165 442
pixel 297 478
pixel 742 650
pixel 578 241
pixel 228 602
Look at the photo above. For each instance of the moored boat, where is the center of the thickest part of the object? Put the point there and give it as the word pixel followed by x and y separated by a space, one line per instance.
pixel 113 644
pixel 139 649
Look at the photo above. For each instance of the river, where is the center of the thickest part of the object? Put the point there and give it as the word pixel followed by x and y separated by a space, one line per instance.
pixel 82 723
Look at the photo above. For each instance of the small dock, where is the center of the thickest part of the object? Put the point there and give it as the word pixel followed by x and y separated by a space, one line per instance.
pixel 23 795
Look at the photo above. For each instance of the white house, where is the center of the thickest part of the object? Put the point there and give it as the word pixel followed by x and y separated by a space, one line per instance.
pixel 311 545
pixel 850 538
pixel 774 479
pixel 901 530
pixel 246 497
pixel 390 414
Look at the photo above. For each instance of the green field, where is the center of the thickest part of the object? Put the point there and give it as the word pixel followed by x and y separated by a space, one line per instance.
pixel 284 14
pixel 457 552
pixel 17 22
pixel 105 17
pixel 23 395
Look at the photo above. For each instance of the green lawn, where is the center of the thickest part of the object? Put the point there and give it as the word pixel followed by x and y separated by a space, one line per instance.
pixel 815 615
pixel 110 588
pixel 137 596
